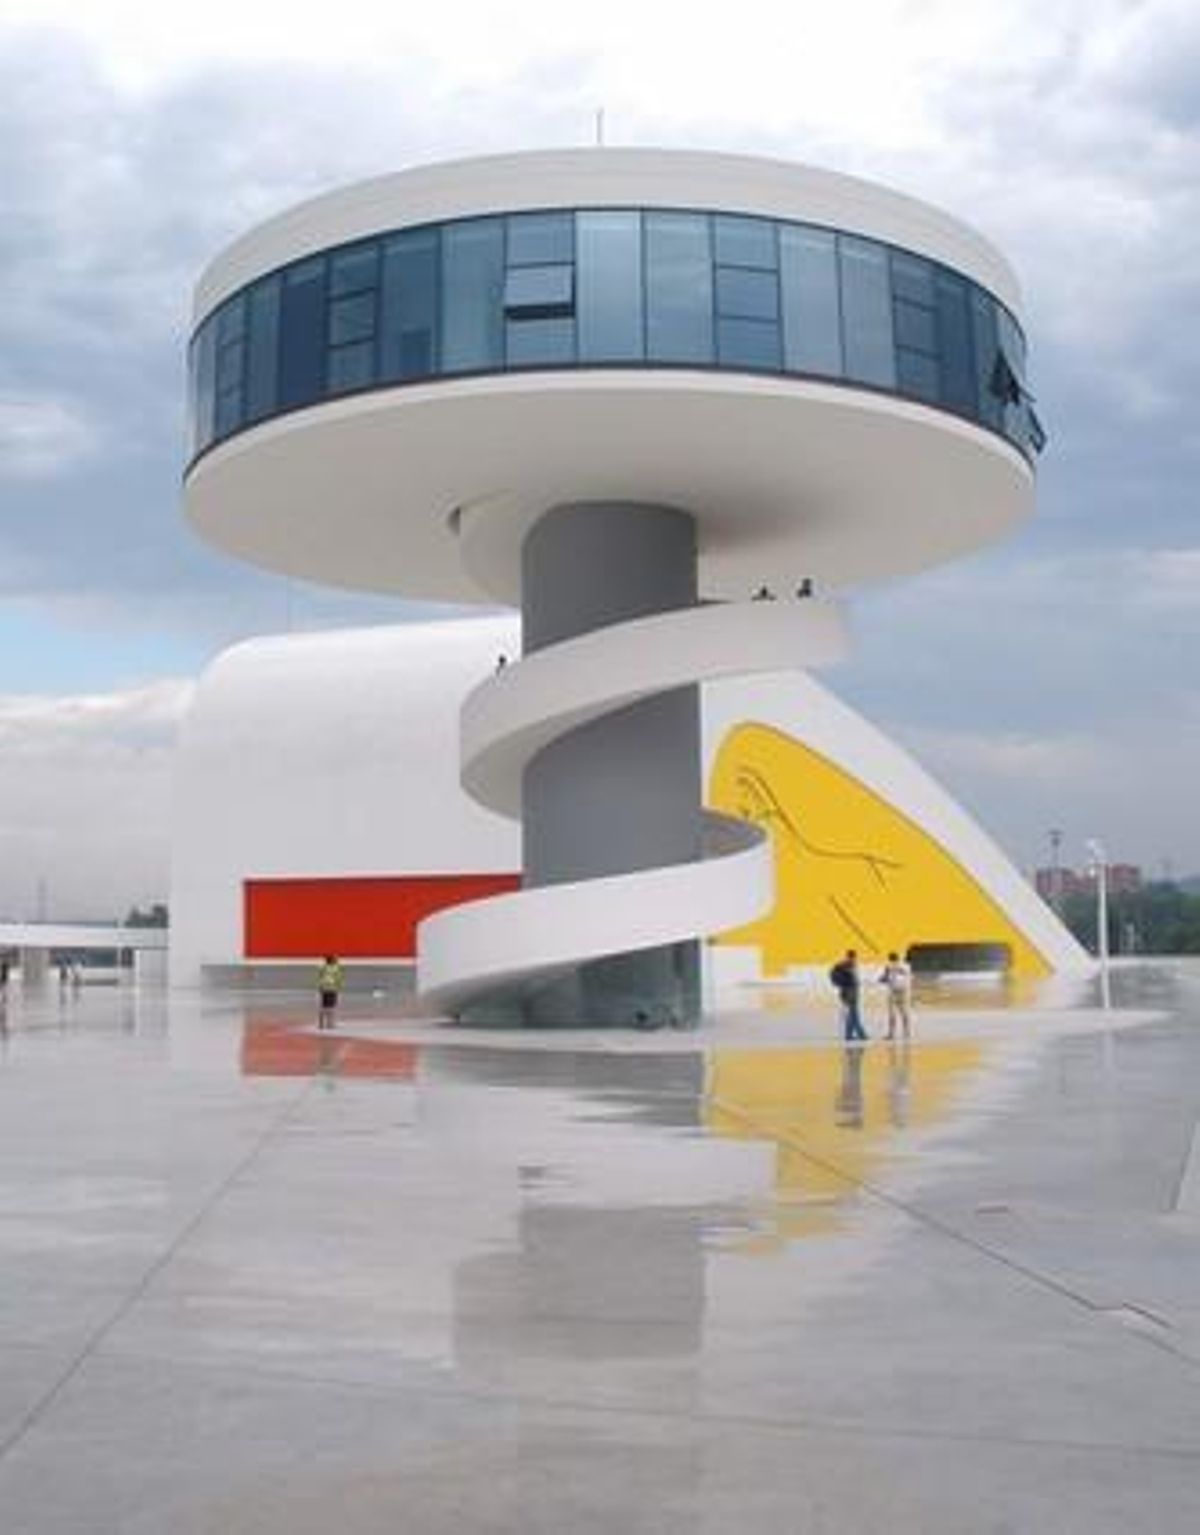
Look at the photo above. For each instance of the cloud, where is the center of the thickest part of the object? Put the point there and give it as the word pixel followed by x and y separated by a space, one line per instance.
pixel 132 148
pixel 40 438
pixel 85 800
pixel 1122 785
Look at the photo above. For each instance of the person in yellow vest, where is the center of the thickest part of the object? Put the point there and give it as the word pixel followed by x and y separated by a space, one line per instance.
pixel 329 983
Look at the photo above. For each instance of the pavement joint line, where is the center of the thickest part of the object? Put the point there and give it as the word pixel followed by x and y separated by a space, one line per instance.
pixel 701 1417
pixel 96 1339
pixel 953 1233
pixel 1187 1192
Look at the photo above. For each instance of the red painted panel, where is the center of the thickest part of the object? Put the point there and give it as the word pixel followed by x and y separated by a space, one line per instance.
pixel 282 1049
pixel 354 918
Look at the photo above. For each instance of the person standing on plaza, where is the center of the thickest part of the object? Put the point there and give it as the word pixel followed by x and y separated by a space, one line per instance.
pixel 844 977
pixel 897 979
pixel 329 984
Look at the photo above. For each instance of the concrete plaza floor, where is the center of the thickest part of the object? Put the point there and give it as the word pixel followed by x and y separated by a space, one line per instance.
pixel 407 1279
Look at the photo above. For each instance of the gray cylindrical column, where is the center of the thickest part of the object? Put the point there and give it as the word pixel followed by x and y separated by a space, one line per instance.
pixel 623 792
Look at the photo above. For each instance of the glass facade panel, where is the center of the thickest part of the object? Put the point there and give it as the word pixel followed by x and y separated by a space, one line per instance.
pixel 915 327
pixel 958 389
pixel 231 319
pixel 912 278
pixel 560 289
pixel 609 287
pixel 983 335
pixel 539 292
pixel 917 373
pixel 749 344
pixel 352 318
pixel 744 242
pixel 302 334
pixel 228 413
pixel 808 280
pixel 352 270
pixel 541 239
pixel 679 297
pixel 472 284
pixel 351 367
pixel 746 294
pixel 540 341
pixel 230 361
pixel 1011 344
pixel 204 414
pixel 262 359
pixel 866 312
pixel 408 305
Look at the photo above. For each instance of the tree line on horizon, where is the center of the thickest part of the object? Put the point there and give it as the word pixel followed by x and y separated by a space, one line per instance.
pixel 1161 918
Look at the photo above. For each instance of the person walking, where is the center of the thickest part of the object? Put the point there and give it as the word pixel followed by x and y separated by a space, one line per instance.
pixel 896 978
pixel 329 984
pixel 844 977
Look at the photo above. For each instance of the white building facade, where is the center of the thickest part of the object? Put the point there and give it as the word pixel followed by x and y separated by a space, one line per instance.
pixel 624 392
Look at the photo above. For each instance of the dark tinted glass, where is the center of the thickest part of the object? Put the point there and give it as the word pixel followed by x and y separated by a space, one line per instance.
pixel 354 269
pixel 408 319
pixel 539 292
pixel 983 335
pixel 912 278
pixel 609 286
pixel 231 319
pixel 679 299
pixel 915 327
pixel 1012 345
pixel 206 384
pixel 917 373
pixel 352 318
pixel 748 343
pixel 472 284
pixel 747 294
pixel 230 361
pixel 954 332
pixel 262 393
pixel 351 367
pixel 811 306
pixel 744 241
pixel 540 239
pixel 229 412
pixel 540 341
pixel 866 312
pixel 302 334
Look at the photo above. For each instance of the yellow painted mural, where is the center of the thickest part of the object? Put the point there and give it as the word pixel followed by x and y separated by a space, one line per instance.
pixel 850 870
pixel 835 1114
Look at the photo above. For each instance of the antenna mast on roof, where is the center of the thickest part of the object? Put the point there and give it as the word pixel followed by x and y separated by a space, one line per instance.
pixel 599 127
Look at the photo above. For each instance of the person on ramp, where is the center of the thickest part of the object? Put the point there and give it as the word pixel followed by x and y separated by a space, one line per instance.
pixel 329 984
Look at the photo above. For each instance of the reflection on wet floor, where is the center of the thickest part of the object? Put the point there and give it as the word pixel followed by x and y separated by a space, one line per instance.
pixel 830 1114
pixel 833 1115
pixel 254 1277
pixel 273 1047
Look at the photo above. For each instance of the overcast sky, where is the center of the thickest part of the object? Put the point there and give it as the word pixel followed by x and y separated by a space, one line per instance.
pixel 1049 682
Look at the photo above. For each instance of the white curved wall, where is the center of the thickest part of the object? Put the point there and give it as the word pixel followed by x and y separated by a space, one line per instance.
pixel 566 178
pixel 327 754
pixel 337 754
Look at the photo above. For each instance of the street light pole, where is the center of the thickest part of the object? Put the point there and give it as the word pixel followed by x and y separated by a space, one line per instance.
pixel 1099 860
pixel 1056 893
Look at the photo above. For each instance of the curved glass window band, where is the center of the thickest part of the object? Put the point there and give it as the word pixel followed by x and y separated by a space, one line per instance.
pixel 608 287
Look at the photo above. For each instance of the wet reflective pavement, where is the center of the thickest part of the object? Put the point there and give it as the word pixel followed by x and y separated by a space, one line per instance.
pixel 406 1278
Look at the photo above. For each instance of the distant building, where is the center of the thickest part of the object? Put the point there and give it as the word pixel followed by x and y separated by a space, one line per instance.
pixel 1057 884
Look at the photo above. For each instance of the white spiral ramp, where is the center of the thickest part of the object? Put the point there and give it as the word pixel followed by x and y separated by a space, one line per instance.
pixel 513 942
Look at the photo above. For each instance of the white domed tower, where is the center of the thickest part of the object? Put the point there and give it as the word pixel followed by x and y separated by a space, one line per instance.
pixel 671 406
